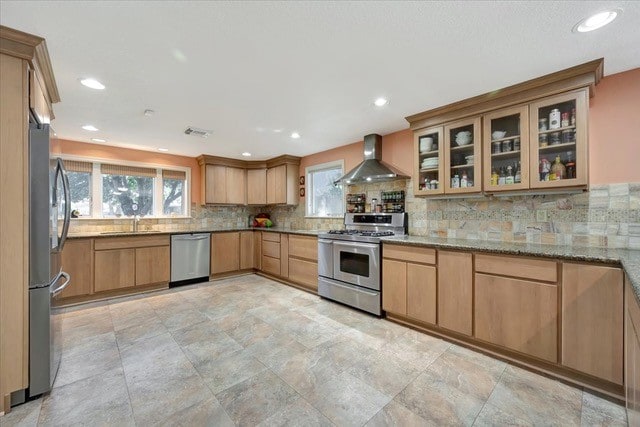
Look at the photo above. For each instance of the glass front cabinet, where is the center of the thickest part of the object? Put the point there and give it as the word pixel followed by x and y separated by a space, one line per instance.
pixel 506 149
pixel 558 131
pixel 428 146
pixel 462 156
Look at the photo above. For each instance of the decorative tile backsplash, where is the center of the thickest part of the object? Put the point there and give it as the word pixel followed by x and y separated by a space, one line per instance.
pixel 606 216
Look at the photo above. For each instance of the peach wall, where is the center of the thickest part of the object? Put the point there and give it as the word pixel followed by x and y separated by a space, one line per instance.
pixel 614 129
pixel 117 153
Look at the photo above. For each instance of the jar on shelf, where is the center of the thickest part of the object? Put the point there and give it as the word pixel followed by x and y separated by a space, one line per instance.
pixel 568 135
pixel 516 144
pixel 554 119
pixel 544 140
pixel 554 138
pixel 542 125
pixel 506 146
pixel 495 147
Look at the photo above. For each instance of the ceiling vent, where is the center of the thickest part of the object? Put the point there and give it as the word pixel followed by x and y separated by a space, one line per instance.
pixel 202 133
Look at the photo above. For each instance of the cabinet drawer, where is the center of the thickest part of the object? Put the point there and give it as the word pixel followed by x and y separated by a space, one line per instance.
pixel 525 268
pixel 303 247
pixel 409 253
pixel 303 272
pixel 517 314
pixel 271 265
pixel 114 269
pixel 270 237
pixel 130 242
pixel 271 249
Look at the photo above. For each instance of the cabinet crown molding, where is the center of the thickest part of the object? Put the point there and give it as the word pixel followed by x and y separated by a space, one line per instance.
pixel 204 159
pixel 584 75
pixel 33 49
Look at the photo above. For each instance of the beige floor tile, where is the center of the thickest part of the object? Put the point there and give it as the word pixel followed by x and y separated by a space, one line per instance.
pixel 298 414
pixel 85 365
pixel 599 411
pixel 257 398
pixel 205 413
pixel 438 402
pixel 491 416
pixel 25 415
pixel 416 348
pixel 384 372
pixel 537 399
pixel 394 414
pixel 99 400
pixel 346 400
pixel 147 328
pixel 223 373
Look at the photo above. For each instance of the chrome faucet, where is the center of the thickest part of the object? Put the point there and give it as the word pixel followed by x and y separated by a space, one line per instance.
pixel 136 221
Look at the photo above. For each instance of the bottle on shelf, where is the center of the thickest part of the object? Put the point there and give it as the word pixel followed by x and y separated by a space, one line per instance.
pixel 571 166
pixel 455 181
pixel 464 180
pixel 517 179
pixel 509 178
pixel 558 170
pixel 545 168
pixel 494 177
pixel 502 178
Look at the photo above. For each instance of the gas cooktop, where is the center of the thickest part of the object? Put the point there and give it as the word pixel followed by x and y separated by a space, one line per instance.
pixel 366 233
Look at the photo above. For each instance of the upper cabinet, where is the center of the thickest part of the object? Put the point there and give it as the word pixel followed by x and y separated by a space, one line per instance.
pixel 532 136
pixel 237 182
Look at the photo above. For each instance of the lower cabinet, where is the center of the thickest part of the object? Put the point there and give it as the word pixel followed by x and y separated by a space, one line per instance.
pixel 271 253
pixel 303 260
pixel 593 320
pixel 455 291
pixel 409 282
pixel 152 265
pixel 518 314
pixel 225 252
pixel 246 250
pixel 77 260
pixel 632 355
pixel 114 269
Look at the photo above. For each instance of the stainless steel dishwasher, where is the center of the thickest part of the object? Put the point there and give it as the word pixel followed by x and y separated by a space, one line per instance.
pixel 190 257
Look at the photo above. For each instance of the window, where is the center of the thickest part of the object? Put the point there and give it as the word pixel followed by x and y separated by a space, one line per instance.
pixel 127 191
pixel 79 174
pixel 104 190
pixel 324 199
pixel 173 184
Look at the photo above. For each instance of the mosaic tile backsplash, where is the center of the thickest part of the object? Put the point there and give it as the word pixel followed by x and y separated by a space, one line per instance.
pixel 606 216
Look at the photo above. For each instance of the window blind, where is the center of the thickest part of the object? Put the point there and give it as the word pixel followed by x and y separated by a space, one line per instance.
pixel 127 170
pixel 171 174
pixel 77 166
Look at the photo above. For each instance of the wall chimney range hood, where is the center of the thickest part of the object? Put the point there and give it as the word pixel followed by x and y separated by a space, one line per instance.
pixel 372 169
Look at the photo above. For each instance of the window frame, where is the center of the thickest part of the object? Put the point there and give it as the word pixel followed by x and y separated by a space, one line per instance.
pixel 308 171
pixel 158 196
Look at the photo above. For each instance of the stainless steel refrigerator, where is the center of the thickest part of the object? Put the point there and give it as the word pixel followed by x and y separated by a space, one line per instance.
pixel 49 215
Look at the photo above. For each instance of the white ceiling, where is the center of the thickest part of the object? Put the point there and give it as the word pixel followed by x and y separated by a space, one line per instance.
pixel 247 69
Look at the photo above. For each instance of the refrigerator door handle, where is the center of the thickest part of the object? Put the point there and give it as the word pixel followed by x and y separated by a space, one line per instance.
pixel 66 283
pixel 67 204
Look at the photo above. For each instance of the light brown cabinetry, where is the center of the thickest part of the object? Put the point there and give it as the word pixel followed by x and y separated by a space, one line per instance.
pixel 592 320
pixel 114 269
pixel 21 52
pixel 77 259
pixel 271 253
pixel 257 186
pixel 506 157
pixel 409 282
pixel 124 262
pixel 632 354
pixel 303 260
pixel 282 184
pixel 246 250
pixel 257 250
pixel 284 255
pixel 518 314
pixel 152 265
pixel 225 252
pixel 530 142
pixel 455 291
pixel 224 185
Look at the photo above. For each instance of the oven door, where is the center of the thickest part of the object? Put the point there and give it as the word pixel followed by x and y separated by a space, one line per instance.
pixel 357 263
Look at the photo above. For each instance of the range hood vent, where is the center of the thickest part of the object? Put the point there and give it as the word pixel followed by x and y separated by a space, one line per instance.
pixel 193 131
pixel 372 169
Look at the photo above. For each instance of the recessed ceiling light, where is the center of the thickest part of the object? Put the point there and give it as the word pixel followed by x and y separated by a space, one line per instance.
pixel 163 149
pixel 381 102
pixel 295 135
pixel 246 154
pixel 91 128
pixel 277 130
pixel 92 83
pixel 596 21
pixel 98 140
pixel 149 113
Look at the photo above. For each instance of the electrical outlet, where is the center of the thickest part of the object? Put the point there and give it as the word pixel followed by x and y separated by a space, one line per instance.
pixel 541 216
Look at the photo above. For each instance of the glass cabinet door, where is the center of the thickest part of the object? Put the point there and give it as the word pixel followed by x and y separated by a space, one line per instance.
pixel 558 129
pixel 428 148
pixel 462 156
pixel 506 149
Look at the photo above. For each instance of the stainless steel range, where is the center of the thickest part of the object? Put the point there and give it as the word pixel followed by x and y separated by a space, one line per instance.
pixel 349 260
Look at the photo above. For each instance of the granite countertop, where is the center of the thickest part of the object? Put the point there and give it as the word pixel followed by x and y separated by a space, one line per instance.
pixel 628 258
pixel 97 234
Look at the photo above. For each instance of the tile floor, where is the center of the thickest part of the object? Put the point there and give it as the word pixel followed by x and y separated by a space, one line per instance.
pixel 249 351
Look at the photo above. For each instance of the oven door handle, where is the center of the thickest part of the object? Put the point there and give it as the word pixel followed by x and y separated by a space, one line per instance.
pixel 358 245
pixel 327 241
pixel 351 288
